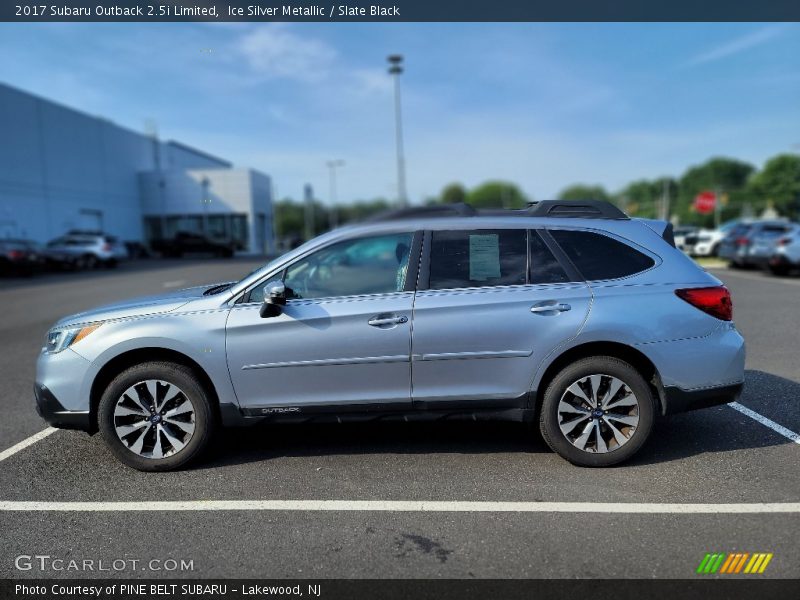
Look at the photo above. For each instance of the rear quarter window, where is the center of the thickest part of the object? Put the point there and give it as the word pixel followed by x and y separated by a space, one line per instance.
pixel 599 256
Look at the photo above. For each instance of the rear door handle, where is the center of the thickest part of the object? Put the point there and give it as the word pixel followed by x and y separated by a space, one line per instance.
pixel 382 321
pixel 550 306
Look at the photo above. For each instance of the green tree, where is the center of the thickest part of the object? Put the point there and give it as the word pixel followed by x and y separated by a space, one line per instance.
pixel 454 193
pixel 290 218
pixel 778 183
pixel 725 175
pixel 497 194
pixel 580 191
pixel 642 198
pixel 361 209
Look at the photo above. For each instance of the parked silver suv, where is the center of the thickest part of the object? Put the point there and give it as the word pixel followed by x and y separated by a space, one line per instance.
pixel 88 249
pixel 568 314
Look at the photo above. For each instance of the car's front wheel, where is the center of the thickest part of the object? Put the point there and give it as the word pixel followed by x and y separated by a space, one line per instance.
pixel 156 416
pixel 597 412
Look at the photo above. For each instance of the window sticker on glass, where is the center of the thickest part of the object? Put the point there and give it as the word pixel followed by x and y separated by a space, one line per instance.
pixel 484 257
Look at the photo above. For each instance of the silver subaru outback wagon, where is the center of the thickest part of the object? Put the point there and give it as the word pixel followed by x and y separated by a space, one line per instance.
pixel 570 315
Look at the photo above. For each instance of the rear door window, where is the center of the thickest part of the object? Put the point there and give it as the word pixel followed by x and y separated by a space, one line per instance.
pixel 599 256
pixel 774 230
pixel 478 258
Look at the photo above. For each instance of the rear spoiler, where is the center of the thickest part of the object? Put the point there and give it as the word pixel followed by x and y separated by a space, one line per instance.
pixel 662 228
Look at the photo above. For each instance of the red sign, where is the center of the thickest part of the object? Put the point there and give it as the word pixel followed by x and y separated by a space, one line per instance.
pixel 705 202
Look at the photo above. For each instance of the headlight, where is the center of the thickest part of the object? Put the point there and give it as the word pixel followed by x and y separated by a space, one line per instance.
pixel 59 339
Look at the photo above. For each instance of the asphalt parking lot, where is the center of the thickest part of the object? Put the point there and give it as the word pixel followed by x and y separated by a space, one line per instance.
pixel 694 463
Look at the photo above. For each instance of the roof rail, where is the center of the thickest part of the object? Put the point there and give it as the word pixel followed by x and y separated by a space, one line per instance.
pixel 591 209
pixel 458 209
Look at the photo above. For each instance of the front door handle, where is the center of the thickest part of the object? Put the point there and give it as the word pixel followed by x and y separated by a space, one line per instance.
pixel 383 321
pixel 550 307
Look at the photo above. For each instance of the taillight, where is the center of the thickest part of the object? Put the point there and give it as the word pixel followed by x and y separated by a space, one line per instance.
pixel 106 247
pixel 716 301
pixel 784 241
pixel 15 254
pixel 742 241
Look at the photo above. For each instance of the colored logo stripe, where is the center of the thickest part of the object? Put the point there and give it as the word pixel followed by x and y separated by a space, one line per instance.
pixel 735 562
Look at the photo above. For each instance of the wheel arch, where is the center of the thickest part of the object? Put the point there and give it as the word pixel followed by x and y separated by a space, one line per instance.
pixel 130 358
pixel 629 354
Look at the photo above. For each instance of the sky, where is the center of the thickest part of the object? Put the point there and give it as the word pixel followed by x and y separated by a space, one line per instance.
pixel 542 105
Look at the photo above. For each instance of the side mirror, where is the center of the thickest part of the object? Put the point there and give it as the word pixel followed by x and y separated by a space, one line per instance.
pixel 274 300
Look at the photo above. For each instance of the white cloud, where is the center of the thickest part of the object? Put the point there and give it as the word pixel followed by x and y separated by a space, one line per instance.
pixel 739 44
pixel 371 80
pixel 273 51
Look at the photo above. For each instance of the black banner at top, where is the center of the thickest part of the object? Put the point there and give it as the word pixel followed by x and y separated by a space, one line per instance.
pixel 399 10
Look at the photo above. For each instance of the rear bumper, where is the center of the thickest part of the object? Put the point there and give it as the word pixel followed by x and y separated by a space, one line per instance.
pixel 50 409
pixel 781 260
pixel 677 400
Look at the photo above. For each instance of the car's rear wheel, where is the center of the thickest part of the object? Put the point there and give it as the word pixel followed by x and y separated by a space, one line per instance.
pixel 597 412
pixel 779 269
pixel 156 416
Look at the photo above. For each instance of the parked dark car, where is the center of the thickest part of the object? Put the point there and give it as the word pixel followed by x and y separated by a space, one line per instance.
pixel 20 257
pixel 137 250
pixel 191 243
pixel 751 244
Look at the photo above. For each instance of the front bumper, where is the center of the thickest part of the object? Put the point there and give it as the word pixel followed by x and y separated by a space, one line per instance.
pixel 61 389
pixel 677 400
pixel 50 409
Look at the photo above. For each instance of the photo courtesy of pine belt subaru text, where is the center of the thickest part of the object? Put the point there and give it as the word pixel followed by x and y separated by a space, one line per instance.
pixel 570 315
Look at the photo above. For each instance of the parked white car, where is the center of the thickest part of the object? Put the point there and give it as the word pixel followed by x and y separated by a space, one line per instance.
pixel 87 250
pixel 680 232
pixel 706 241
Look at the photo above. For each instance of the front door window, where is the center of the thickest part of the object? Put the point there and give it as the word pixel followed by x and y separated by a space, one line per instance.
pixel 370 265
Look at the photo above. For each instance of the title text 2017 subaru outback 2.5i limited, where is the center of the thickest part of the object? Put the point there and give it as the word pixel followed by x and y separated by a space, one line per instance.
pixel 570 314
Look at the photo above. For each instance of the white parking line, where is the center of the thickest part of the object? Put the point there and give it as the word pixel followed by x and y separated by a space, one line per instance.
pixel 787 433
pixel 26 442
pixel 402 506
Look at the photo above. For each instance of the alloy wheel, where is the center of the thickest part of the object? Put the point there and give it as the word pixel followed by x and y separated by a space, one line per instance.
pixel 154 419
pixel 598 413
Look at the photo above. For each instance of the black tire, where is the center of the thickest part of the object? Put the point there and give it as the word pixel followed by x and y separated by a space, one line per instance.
pixel 111 263
pixel 88 262
pixel 205 421
pixel 779 270
pixel 605 365
pixel 714 250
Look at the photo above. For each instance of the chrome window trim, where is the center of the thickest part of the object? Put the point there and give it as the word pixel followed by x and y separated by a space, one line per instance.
pixel 329 299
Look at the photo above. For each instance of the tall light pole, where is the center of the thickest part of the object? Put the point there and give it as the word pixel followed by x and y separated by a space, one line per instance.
pixel 205 184
pixel 333 218
pixel 395 69
pixel 308 212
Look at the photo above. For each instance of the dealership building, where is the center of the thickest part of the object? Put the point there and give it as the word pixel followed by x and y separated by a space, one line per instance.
pixel 61 170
